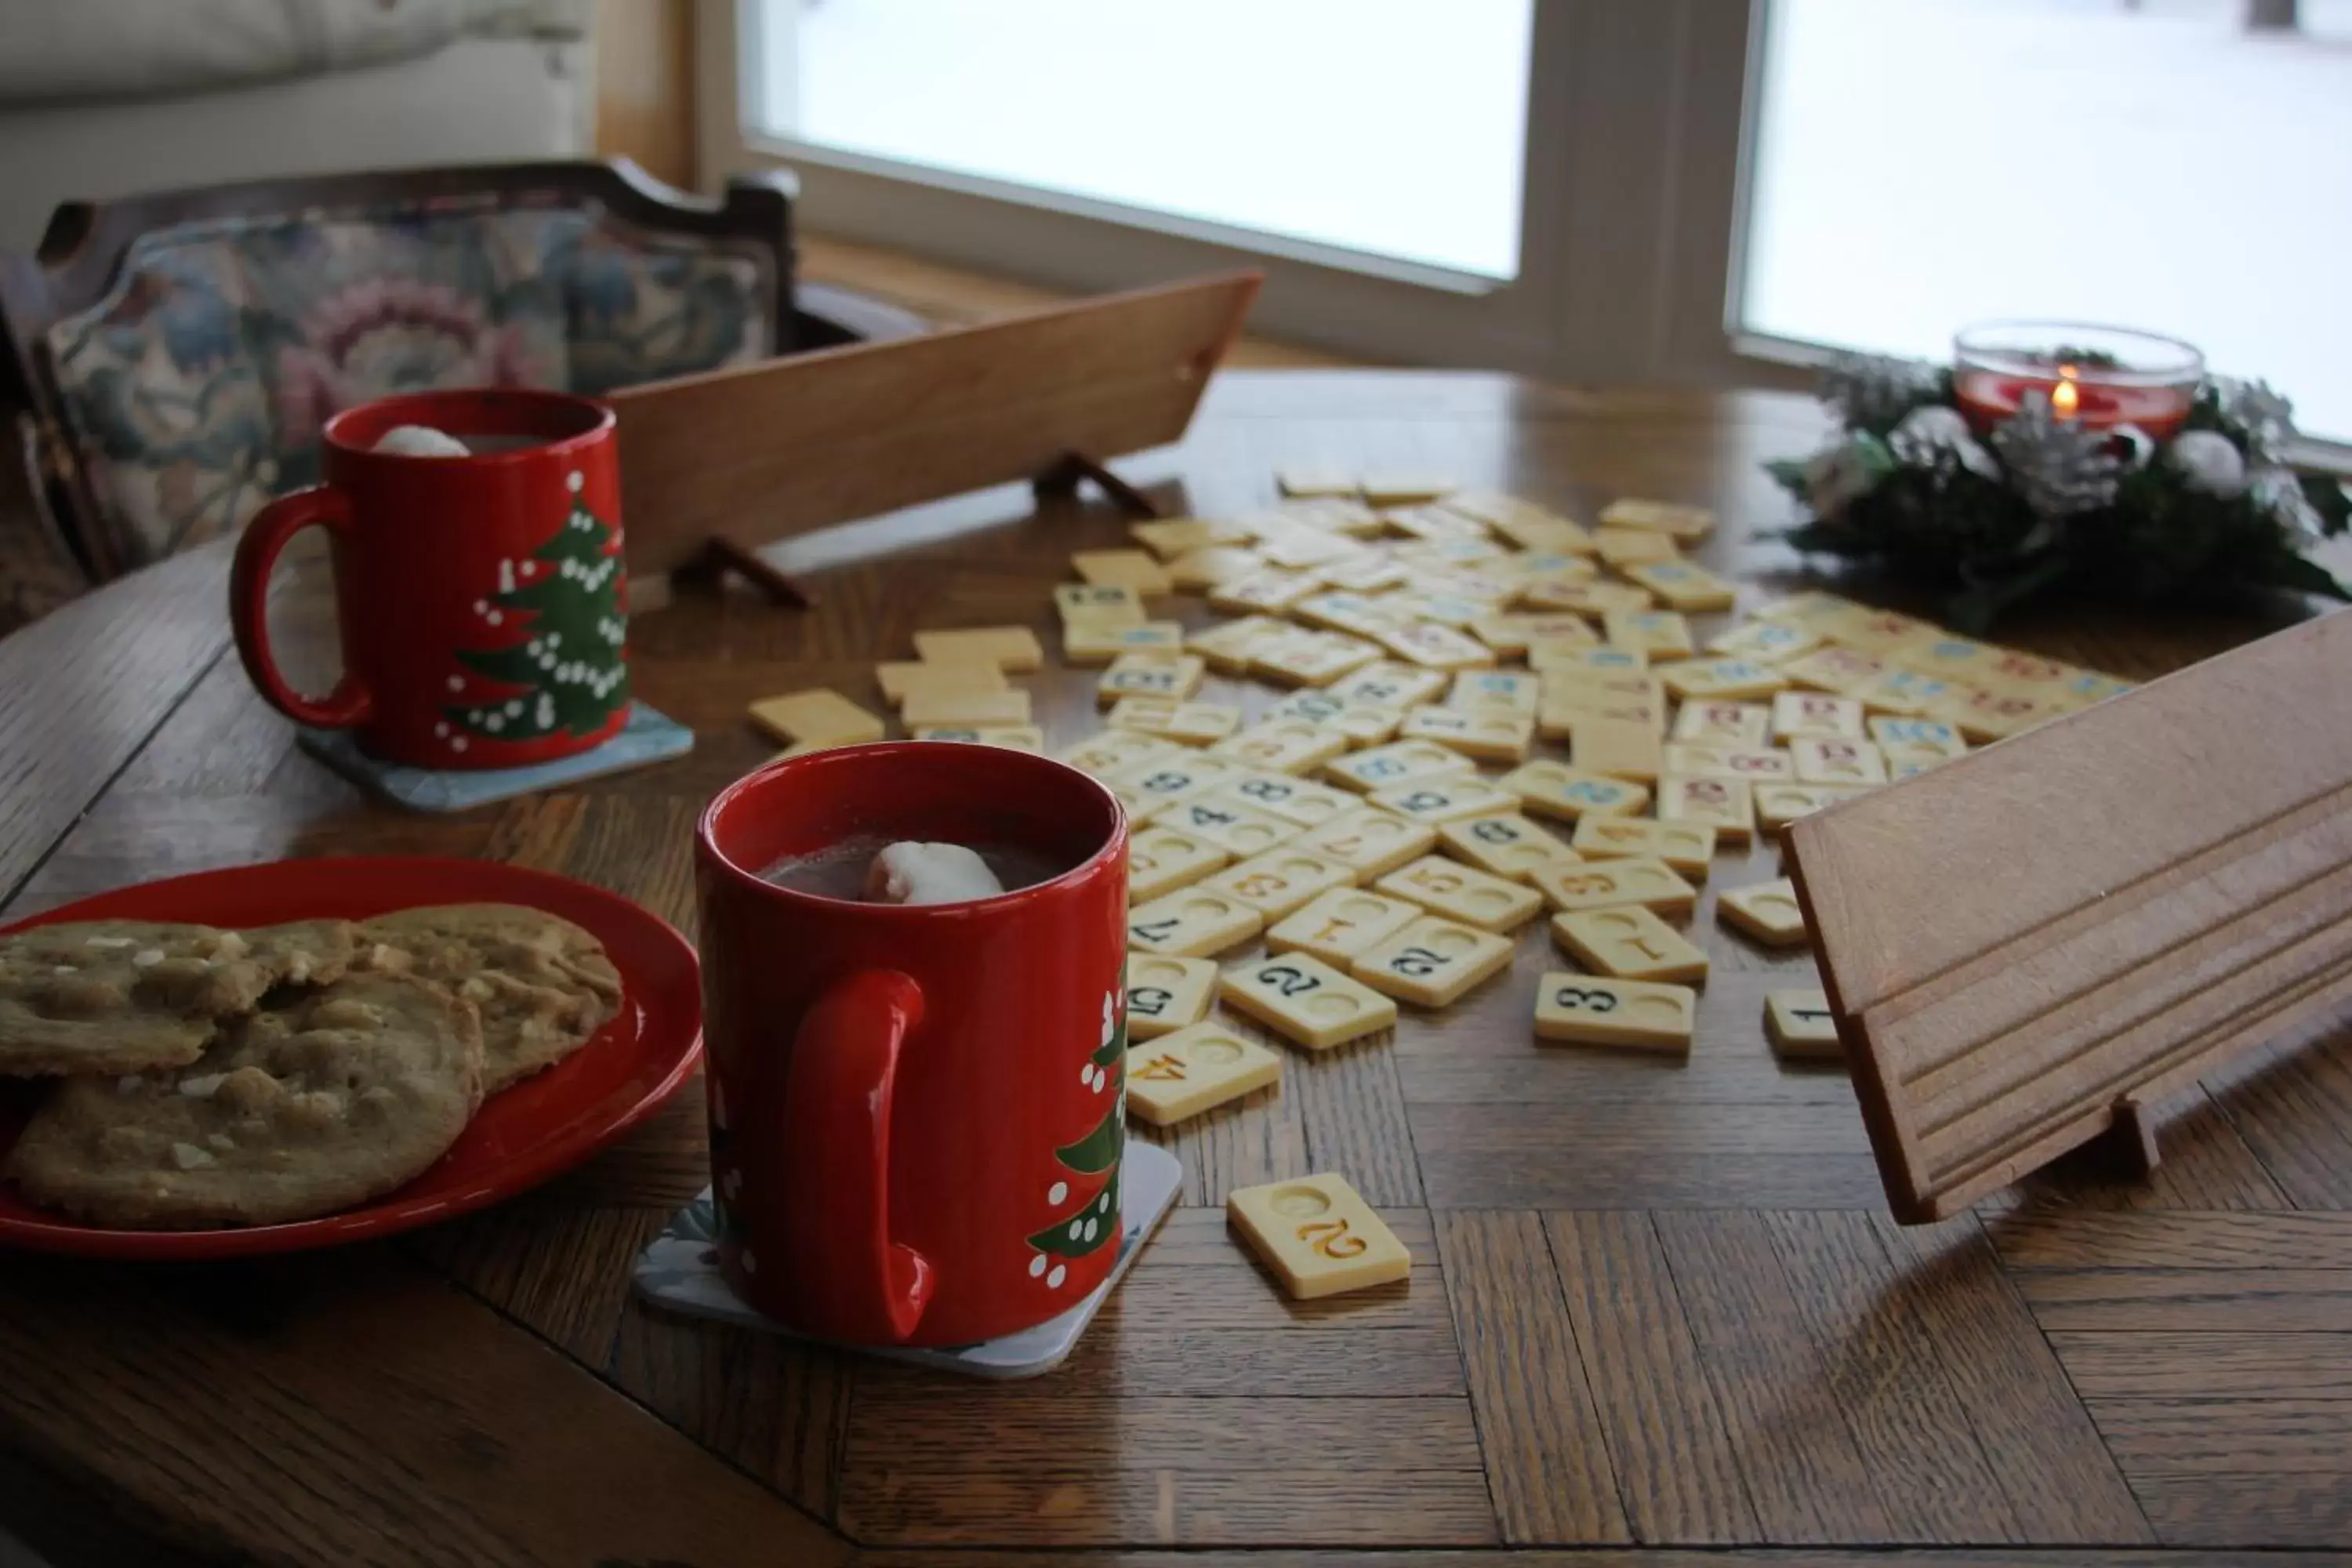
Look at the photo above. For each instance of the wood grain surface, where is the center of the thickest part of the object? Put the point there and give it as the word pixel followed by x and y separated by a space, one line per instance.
pixel 1658 1312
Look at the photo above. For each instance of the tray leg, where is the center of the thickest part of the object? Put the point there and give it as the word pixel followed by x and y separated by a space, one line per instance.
pixel 1071 467
pixel 722 555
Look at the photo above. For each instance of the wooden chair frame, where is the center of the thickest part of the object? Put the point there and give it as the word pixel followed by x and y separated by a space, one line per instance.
pixel 82 253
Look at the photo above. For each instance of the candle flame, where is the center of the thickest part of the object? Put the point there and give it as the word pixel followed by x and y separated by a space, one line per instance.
pixel 2065 398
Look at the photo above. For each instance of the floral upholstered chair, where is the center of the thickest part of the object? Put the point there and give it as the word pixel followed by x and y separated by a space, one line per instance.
pixel 178 355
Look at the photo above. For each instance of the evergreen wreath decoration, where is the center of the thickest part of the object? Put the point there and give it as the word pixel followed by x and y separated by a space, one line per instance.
pixel 2048 506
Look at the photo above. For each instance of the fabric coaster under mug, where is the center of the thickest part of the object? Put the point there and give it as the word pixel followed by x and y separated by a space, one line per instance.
pixel 649 736
pixel 680 1270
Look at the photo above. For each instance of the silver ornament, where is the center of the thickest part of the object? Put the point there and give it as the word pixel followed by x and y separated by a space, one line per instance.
pixel 1933 431
pixel 1872 390
pixel 1836 477
pixel 2208 461
pixel 2278 492
pixel 2057 465
pixel 2267 418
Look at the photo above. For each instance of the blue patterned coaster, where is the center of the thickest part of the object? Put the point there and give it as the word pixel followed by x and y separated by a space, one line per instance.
pixel 680 1270
pixel 648 737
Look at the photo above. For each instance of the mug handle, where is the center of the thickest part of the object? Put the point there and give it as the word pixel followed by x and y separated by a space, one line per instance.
pixel 835 1145
pixel 249 597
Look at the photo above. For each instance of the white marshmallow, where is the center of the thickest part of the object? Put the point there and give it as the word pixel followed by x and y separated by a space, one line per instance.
pixel 421 441
pixel 917 873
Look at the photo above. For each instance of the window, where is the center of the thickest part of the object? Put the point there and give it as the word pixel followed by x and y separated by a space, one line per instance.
pixel 1381 128
pixel 1920 165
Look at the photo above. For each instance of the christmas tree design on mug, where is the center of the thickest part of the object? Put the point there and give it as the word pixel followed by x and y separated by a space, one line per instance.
pixel 564 668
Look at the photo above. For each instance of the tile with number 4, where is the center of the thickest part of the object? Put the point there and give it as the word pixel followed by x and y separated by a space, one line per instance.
pixel 1317 1237
pixel 1465 893
pixel 1590 1010
pixel 1337 925
pixel 1177 1077
pixel 1505 844
pixel 1432 961
pixel 1306 1001
pixel 1629 942
pixel 1239 830
pixel 1164 995
pixel 1766 912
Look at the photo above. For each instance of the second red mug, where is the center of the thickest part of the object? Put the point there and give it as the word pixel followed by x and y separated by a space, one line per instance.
pixel 482 599
pixel 917 1111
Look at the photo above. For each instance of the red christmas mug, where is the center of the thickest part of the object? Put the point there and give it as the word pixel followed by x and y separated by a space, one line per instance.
pixel 917 1111
pixel 482 599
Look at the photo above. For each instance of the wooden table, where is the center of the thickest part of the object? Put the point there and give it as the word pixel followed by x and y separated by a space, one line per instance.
pixel 1656 1302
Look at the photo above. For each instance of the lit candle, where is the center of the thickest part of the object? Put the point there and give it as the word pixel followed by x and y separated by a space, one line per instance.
pixel 2097 376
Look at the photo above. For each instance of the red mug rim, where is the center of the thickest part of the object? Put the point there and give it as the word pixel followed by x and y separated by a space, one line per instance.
pixel 594 421
pixel 706 837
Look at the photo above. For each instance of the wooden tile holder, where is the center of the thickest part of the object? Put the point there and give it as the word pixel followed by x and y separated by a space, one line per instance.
pixel 2039 944
pixel 715 465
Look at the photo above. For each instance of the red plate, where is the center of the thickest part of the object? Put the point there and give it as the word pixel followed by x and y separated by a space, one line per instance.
pixel 541 1126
